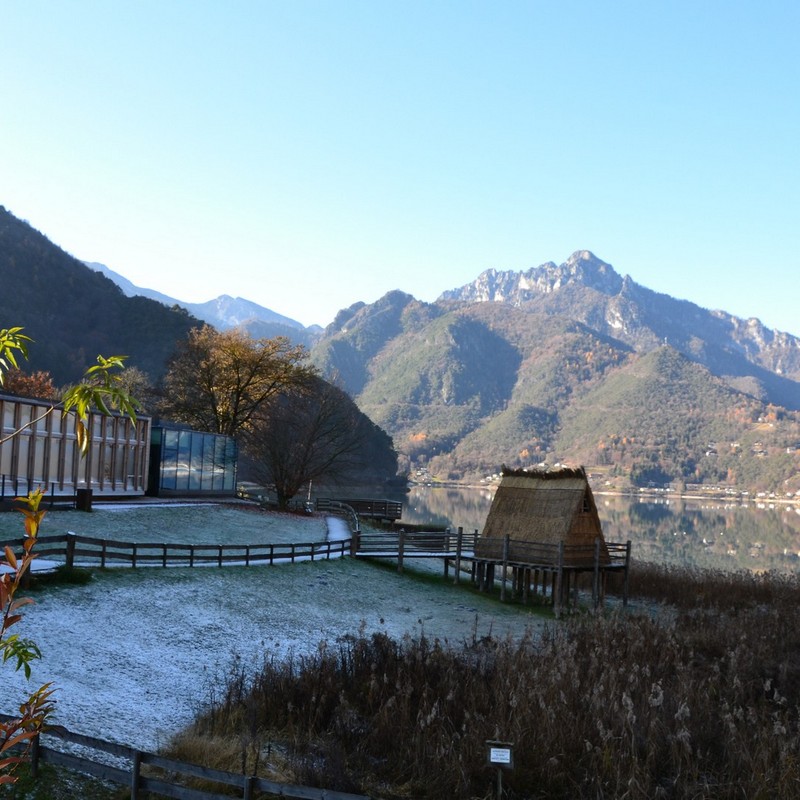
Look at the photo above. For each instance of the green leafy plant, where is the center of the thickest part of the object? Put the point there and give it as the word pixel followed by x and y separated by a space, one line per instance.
pixel 34 711
pixel 101 388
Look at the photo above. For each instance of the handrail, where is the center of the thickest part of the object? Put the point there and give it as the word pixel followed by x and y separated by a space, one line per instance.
pixel 340 509
pixel 435 542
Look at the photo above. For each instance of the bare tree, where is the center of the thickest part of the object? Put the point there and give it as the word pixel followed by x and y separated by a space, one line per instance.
pixel 318 433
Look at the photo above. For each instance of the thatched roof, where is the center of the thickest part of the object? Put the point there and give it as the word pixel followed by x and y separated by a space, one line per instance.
pixel 546 507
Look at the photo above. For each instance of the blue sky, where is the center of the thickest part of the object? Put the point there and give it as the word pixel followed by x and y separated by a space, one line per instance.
pixel 307 155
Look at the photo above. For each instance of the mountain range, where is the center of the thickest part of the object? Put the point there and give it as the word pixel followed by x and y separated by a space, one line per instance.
pixel 223 312
pixel 564 363
pixel 578 364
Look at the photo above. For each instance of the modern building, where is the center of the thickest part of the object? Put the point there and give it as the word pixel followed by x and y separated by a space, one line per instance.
pixel 187 462
pixel 39 448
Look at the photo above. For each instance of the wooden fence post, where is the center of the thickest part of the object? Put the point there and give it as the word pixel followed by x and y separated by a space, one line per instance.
pixel 35 757
pixel 136 768
pixel 70 555
pixel 401 541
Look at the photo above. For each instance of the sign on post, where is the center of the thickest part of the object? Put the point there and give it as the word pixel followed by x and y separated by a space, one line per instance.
pixel 501 754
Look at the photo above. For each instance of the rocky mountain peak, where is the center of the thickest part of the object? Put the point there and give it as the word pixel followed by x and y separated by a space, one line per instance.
pixel 516 287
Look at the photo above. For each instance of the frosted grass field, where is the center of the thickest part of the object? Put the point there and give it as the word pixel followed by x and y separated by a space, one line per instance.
pixel 135 652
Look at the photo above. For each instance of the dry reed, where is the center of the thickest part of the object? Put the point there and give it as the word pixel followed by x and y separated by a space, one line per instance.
pixel 700 703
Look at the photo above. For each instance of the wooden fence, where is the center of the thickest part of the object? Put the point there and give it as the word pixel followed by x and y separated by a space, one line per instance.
pixel 76 550
pixel 145 772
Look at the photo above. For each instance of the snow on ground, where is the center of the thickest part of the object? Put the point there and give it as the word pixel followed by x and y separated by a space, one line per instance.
pixel 134 653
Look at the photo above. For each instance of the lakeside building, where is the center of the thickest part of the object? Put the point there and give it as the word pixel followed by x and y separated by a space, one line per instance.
pixel 39 448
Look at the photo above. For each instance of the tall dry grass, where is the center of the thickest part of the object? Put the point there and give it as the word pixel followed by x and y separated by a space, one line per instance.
pixel 702 702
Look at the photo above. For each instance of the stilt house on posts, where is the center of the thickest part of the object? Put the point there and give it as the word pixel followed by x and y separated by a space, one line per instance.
pixel 543 526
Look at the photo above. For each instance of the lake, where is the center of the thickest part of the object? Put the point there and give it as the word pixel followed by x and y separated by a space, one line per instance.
pixel 701 533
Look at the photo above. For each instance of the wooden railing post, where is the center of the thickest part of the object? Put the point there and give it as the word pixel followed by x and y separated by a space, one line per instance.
pixel 459 548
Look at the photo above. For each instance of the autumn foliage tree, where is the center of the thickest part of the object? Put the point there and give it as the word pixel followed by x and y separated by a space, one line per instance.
pixel 38 385
pixel 218 380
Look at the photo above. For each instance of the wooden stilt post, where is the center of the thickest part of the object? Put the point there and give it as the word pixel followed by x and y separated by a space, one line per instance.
pixel 596 576
pixel 505 565
pixel 627 571
pixel 559 587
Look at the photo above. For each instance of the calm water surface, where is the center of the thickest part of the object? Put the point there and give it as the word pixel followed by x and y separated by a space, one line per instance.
pixel 708 534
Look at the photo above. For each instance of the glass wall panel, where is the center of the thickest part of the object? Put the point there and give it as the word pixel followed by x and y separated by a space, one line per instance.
pixel 196 471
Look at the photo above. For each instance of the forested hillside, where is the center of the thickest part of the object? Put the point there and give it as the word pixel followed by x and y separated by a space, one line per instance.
pixel 74 313
pixel 574 363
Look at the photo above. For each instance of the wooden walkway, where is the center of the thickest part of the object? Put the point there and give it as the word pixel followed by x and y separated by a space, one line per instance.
pixel 521 569
pixel 552 570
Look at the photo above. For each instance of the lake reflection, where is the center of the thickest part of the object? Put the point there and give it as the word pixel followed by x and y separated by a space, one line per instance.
pixel 707 534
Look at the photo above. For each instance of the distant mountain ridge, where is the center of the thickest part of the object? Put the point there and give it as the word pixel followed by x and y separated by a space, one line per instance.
pixel 223 312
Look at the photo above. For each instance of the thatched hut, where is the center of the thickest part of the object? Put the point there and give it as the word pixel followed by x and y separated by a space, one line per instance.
pixel 538 510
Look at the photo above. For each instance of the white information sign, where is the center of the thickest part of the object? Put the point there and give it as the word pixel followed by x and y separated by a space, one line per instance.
pixel 500 755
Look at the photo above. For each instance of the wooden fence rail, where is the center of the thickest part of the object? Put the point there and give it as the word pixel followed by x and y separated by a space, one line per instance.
pixel 145 772
pixel 77 550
